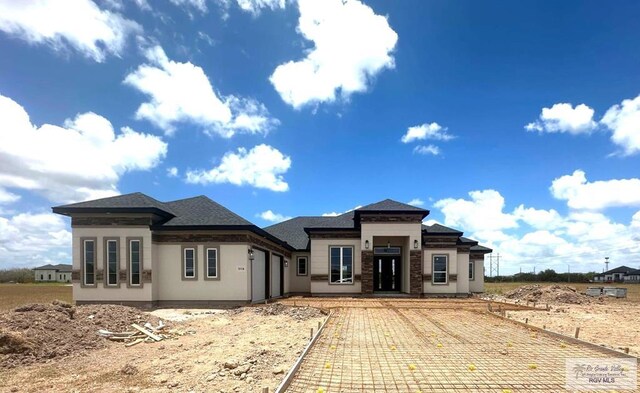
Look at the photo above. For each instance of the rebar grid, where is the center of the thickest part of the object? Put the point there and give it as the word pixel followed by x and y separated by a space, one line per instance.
pixel 392 348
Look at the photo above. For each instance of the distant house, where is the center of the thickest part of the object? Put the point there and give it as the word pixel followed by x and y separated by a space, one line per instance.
pixel 53 273
pixel 619 274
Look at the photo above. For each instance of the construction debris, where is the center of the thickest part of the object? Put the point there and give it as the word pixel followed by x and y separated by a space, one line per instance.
pixel 297 313
pixel 36 333
pixel 548 294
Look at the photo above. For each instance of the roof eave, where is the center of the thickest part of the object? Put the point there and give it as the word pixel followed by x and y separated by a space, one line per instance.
pixel 68 211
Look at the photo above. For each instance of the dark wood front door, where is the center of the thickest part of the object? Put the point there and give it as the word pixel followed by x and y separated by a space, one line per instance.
pixel 386 273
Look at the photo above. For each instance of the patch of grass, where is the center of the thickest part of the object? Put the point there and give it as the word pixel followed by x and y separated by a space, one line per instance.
pixel 14 295
pixel 499 288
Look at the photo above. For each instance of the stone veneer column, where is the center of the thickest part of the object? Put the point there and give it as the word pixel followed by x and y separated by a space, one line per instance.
pixel 366 259
pixel 415 272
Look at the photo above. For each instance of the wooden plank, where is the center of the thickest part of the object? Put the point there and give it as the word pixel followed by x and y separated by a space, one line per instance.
pixel 132 343
pixel 145 331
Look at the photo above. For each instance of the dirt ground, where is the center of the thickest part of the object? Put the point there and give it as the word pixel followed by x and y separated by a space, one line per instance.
pixel 240 350
pixel 614 323
pixel 14 295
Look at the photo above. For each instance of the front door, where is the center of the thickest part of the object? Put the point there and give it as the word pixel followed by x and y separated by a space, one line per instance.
pixel 386 273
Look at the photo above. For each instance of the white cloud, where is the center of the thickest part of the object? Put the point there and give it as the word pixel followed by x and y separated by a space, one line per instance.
pixel 335 214
pixel 261 167
pixel 255 6
pixel 270 216
pixel 29 239
pixel 430 149
pixel 79 24
pixel 200 5
pixel 624 122
pixel 581 194
pixel 426 131
pixel 8 197
pixel 549 240
pixel 172 172
pixel 351 45
pixel 563 117
pixel 482 213
pixel 182 93
pixel 416 202
pixel 82 160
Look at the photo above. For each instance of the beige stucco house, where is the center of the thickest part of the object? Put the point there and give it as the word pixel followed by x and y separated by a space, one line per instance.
pixel 53 273
pixel 135 249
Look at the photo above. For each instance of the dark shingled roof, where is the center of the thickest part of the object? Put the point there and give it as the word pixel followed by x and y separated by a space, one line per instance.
pixel 134 201
pixel 60 267
pixel 202 211
pixel 622 269
pixel 480 248
pixel 389 205
pixel 292 231
pixel 440 230
pixel 466 240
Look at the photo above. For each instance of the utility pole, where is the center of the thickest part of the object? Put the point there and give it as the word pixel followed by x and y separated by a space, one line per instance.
pixel 498 265
pixel 491 265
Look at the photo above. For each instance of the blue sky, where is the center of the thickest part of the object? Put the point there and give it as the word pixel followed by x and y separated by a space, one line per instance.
pixel 518 123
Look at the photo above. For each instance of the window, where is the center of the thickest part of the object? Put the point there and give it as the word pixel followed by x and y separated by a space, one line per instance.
pixel 341 265
pixel 440 265
pixel 301 268
pixel 112 262
pixel 212 263
pixel 472 266
pixel 189 261
pixel 49 277
pixel 134 262
pixel 42 277
pixel 89 262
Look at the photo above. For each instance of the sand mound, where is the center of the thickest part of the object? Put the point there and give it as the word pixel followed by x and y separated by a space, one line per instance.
pixel 548 294
pixel 297 313
pixel 38 332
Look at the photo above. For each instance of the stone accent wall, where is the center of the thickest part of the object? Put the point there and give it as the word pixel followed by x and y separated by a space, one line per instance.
pixel 116 221
pixel 415 218
pixel 366 259
pixel 334 235
pixel 415 272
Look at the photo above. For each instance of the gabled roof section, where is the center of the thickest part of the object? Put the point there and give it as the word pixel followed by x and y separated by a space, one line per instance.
pixel 201 211
pixel 437 229
pixel 60 267
pixel 622 269
pixel 136 202
pixel 293 231
pixel 467 241
pixel 391 206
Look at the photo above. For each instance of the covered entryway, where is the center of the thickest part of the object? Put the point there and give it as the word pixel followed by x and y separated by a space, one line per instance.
pixel 387 269
pixel 258 276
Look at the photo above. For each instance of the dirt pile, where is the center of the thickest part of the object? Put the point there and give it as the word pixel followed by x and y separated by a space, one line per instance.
pixel 548 294
pixel 297 313
pixel 38 332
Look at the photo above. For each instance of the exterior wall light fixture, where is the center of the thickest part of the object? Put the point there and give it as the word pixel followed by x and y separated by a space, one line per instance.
pixel 250 254
pixel 415 244
pixel 366 244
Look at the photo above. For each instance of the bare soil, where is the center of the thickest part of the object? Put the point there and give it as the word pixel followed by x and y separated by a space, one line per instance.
pixel 240 350
pixel 606 321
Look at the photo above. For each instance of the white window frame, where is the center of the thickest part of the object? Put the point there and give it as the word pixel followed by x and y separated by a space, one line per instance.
pixel 84 262
pixel 433 270
pixel 184 262
pixel 107 263
pixel 472 271
pixel 131 262
pixel 306 266
pixel 206 257
pixel 353 263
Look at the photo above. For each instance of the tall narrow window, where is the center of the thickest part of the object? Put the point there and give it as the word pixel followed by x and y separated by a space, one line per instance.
pixel 341 265
pixel 112 262
pixel 471 269
pixel 212 263
pixel 89 262
pixel 134 262
pixel 189 263
pixel 302 266
pixel 440 265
